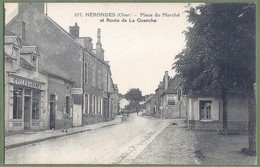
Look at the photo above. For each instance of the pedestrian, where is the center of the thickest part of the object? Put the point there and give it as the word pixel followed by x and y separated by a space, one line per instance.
pixel 66 121
pixel 127 113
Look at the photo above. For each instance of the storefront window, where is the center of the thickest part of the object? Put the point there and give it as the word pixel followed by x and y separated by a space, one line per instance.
pixel 17 103
pixel 36 105
pixel 205 109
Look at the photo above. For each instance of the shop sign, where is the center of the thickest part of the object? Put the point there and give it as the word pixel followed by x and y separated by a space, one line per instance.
pixel 76 91
pixel 27 83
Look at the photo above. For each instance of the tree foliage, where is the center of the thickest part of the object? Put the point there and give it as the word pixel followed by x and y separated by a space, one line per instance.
pixel 134 95
pixel 220 49
pixel 219 57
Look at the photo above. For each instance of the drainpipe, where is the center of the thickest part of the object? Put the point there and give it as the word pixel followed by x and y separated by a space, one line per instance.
pixel 107 114
pixel 82 104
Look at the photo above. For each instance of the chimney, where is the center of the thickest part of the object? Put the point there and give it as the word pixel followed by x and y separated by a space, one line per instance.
pixel 74 30
pixel 166 80
pixel 99 45
pixel 39 7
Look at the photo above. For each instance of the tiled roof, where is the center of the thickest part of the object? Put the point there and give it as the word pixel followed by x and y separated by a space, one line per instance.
pixel 149 98
pixel 12 39
pixel 174 84
pixel 49 67
pixel 9 56
pixel 25 62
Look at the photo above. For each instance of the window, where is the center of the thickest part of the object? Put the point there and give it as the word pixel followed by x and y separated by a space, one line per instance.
pixel 85 72
pixel 90 105
pixel 101 109
pixel 99 79
pixel 14 52
pixel 105 79
pixel 98 110
pixel 93 76
pixel 17 103
pixel 34 59
pixel 23 31
pixel 94 105
pixel 179 94
pixel 86 104
pixel 205 109
pixel 36 105
pixel 171 101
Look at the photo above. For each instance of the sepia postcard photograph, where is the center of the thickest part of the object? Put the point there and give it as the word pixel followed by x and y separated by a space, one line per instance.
pixel 129 83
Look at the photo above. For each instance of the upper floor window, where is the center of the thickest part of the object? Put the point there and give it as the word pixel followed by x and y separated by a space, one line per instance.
pixel 34 59
pixel 99 79
pixel 179 94
pixel 14 52
pixel 23 31
pixel 85 72
pixel 171 101
pixel 93 76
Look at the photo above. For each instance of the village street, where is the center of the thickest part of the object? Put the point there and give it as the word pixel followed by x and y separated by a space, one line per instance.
pixel 139 140
pixel 113 144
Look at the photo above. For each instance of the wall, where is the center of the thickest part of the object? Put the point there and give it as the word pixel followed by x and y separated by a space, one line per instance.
pixel 237 114
pixel 58 88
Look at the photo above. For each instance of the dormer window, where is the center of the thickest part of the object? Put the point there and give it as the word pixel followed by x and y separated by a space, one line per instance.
pixel 34 59
pixel 14 52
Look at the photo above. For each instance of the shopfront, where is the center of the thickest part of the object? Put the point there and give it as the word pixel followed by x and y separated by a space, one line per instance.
pixel 26 103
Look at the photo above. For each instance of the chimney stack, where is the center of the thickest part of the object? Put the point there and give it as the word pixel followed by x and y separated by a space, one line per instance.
pixel 39 7
pixel 166 80
pixel 74 30
pixel 99 50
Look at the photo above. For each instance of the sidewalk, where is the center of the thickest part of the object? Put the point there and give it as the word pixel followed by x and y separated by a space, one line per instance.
pixel 29 138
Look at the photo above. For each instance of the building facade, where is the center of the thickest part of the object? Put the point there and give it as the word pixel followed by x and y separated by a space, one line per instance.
pixel 169 101
pixel 25 87
pixel 150 105
pixel 85 65
pixel 206 113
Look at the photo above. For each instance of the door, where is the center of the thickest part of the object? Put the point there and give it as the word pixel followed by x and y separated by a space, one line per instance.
pixel 27 112
pixel 52 111
pixel 105 108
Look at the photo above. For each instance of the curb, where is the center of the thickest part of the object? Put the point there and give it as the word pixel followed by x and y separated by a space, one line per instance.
pixel 54 137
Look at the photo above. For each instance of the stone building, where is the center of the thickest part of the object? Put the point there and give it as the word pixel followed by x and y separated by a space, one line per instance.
pixel 169 102
pixel 173 103
pixel 150 105
pixel 29 83
pixel 205 112
pixel 85 65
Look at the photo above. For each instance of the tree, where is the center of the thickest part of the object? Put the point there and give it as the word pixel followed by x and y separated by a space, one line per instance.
pixel 134 95
pixel 219 58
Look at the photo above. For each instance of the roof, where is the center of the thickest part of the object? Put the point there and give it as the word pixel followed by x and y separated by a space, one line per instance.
pixel 49 67
pixel 150 97
pixel 26 63
pixel 12 40
pixel 173 86
pixel 9 56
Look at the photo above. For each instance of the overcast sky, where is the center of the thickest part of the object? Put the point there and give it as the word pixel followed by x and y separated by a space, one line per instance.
pixel 139 53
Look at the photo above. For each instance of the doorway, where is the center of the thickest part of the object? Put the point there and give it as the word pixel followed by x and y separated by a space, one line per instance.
pixel 27 112
pixel 52 111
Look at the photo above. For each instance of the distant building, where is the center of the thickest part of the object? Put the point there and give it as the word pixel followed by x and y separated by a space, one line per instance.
pixel 173 103
pixel 92 89
pixel 150 105
pixel 123 103
pixel 169 102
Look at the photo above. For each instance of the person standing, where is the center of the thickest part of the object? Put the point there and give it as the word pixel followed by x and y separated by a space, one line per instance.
pixel 66 121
